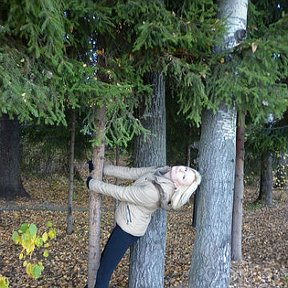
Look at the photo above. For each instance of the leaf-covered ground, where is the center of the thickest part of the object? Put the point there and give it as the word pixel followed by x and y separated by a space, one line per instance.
pixel 265 240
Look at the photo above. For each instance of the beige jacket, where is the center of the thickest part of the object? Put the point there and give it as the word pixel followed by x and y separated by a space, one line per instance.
pixel 138 201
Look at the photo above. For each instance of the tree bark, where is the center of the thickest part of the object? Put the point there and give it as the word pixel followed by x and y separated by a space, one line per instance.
pixel 70 219
pixel 280 175
pixel 266 179
pixel 95 200
pixel 195 208
pixel 148 254
pixel 210 265
pixel 195 145
pixel 11 185
pixel 236 245
pixel 211 256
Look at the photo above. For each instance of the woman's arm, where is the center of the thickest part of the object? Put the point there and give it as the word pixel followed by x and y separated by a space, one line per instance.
pixel 145 195
pixel 128 173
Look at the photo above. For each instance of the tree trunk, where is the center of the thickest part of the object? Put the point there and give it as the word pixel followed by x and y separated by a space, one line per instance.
pixel 10 180
pixel 70 220
pixel 211 253
pixel 211 256
pixel 95 200
pixel 195 208
pixel 195 145
pixel 236 245
pixel 148 254
pixel 280 175
pixel 266 179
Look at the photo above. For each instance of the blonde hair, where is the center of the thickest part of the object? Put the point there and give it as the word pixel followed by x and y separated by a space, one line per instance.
pixel 183 193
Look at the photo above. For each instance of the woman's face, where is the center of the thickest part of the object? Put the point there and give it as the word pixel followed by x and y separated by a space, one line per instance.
pixel 182 176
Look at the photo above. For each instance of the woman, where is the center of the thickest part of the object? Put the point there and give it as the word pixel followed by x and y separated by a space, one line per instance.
pixel 153 188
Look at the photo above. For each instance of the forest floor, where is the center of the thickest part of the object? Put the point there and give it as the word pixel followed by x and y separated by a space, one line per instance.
pixel 265 240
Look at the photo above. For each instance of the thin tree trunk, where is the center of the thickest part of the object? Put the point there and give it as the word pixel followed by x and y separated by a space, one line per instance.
pixel 266 179
pixel 95 200
pixel 236 244
pixel 147 255
pixel 11 185
pixel 280 175
pixel 117 156
pixel 211 256
pixel 70 220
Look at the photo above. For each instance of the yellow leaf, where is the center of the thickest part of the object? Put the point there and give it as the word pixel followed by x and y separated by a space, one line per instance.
pixel 52 233
pixel 29 269
pixel 41 265
pixel 46 253
pixel 45 237
pixel 222 60
pixel 254 47
pixel 30 249
pixel 49 224
pixel 21 256
pixel 4 282
pixel 100 51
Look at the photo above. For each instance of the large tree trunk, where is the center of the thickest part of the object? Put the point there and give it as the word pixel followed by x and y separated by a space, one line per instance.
pixel 211 257
pixel 147 255
pixel 95 200
pixel 10 179
pixel 211 253
pixel 236 245
pixel 70 219
pixel 266 179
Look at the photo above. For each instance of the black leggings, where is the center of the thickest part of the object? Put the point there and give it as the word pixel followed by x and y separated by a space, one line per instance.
pixel 116 246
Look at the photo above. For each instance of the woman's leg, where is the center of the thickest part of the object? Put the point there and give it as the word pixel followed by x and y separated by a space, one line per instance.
pixel 116 246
